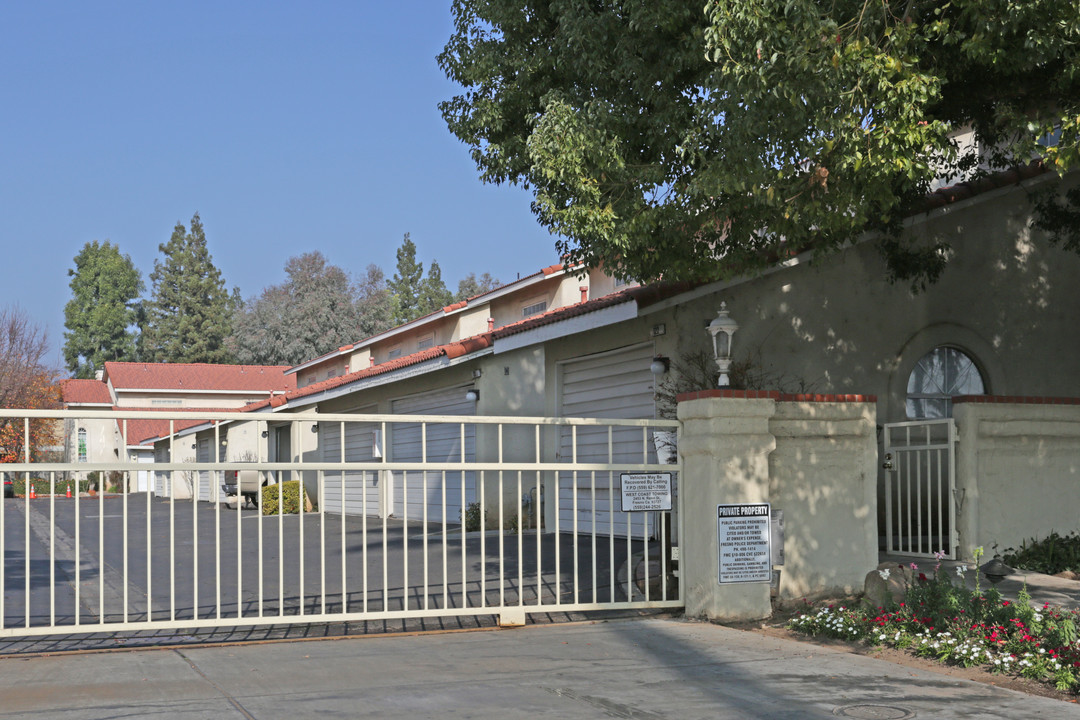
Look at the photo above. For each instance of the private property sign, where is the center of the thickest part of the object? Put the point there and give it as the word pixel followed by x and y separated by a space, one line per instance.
pixel 743 539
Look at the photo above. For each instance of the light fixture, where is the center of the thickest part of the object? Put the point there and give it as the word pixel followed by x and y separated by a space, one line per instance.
pixel 722 328
pixel 192 446
pixel 472 394
pixel 265 433
pixel 996 570
pixel 659 365
pixel 224 443
pixel 314 427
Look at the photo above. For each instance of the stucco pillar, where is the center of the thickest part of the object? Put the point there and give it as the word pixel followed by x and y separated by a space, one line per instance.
pixel 725 446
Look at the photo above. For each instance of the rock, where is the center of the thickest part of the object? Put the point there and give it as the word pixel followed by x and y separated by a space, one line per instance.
pixel 879 592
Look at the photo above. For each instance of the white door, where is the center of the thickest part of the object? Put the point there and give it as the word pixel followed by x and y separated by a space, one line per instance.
pixel 435 443
pixel 354 493
pixel 161 478
pixel 616 384
pixel 203 455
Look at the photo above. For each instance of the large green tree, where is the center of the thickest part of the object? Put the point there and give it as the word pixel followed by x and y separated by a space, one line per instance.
pixel 700 140
pixel 404 287
pixel 189 314
pixel 317 309
pixel 102 314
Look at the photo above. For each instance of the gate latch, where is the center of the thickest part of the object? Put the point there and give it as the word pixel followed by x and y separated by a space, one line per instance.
pixel 888 461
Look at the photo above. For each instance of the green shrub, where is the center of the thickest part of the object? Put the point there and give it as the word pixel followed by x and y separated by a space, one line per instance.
pixel 290 494
pixel 472 517
pixel 1050 556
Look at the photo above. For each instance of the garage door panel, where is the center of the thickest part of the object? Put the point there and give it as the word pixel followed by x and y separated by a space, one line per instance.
pixel 616 385
pixel 449 443
pixel 361 492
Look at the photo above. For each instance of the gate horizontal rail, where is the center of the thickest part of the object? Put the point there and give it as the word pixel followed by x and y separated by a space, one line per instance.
pixel 433 516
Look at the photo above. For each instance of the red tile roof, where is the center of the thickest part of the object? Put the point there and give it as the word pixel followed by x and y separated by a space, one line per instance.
pixel 90 392
pixel 450 350
pixel 198 376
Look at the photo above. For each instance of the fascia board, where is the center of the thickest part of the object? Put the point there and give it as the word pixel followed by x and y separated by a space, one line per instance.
pixel 562 328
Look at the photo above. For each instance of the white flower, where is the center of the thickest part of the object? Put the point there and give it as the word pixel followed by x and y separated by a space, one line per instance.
pixel 884 574
pixel 960 570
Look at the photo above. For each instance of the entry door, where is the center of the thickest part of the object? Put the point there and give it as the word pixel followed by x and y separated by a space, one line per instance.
pixel 916 501
pixel 352 492
pixel 447 443
pixel 616 384
pixel 203 455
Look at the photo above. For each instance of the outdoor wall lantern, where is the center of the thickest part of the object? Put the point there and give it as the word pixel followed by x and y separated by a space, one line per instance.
pixel 659 365
pixel 472 394
pixel 996 570
pixel 265 433
pixel 192 446
pixel 722 328
pixel 314 427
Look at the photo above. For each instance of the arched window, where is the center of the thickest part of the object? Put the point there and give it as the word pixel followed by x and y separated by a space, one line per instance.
pixel 82 444
pixel 938 377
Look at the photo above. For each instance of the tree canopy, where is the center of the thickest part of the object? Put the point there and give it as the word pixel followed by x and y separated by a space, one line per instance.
pixel 189 314
pixel 414 295
pixel 26 381
pixel 699 141
pixel 317 309
pixel 102 314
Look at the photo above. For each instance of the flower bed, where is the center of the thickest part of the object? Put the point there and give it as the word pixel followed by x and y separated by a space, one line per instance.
pixel 951 623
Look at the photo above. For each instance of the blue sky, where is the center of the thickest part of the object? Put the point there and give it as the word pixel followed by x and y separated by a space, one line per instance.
pixel 289 127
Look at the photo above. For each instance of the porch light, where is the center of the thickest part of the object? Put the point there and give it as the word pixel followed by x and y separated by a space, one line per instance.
pixel 722 328
pixel 996 570
pixel 472 394
pixel 314 427
pixel 659 365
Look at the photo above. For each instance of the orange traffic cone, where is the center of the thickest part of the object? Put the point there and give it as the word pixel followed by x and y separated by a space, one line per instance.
pixel 33 495
pixel 69 490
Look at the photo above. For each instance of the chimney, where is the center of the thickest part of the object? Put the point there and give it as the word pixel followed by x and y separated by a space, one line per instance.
pixel 491 324
pixel 99 375
pixel 584 292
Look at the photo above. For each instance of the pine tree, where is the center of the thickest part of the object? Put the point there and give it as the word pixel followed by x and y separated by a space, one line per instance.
pixel 405 285
pixel 190 313
pixel 103 311
pixel 433 293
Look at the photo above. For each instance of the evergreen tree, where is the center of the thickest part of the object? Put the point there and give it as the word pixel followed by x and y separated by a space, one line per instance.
pixel 405 285
pixel 433 293
pixel 471 286
pixel 190 313
pixel 314 311
pixel 374 303
pixel 103 311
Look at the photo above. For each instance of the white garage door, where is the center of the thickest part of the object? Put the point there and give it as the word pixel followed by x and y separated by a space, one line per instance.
pixel 354 493
pixel 616 384
pixel 445 442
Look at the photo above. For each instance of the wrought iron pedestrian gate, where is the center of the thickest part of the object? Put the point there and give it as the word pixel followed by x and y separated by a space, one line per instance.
pixel 919 464
pixel 470 527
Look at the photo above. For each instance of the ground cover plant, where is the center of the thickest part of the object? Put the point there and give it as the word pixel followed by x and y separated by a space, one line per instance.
pixel 1051 555
pixel 942 619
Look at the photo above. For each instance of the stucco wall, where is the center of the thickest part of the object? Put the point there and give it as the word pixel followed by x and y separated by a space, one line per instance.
pixel 1018 472
pixel 836 325
pixel 823 475
pixel 813 460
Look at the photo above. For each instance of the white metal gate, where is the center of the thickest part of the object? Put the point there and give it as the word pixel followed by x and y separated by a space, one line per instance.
pixel 137 562
pixel 919 466
pixel 614 384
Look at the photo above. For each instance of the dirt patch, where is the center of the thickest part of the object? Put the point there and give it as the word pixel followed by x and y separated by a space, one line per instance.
pixel 776 627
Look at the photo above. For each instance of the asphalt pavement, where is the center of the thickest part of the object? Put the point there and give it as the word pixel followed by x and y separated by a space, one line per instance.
pixel 642 668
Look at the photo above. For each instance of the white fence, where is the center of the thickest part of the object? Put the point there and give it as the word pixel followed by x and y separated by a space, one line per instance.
pixel 432 517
